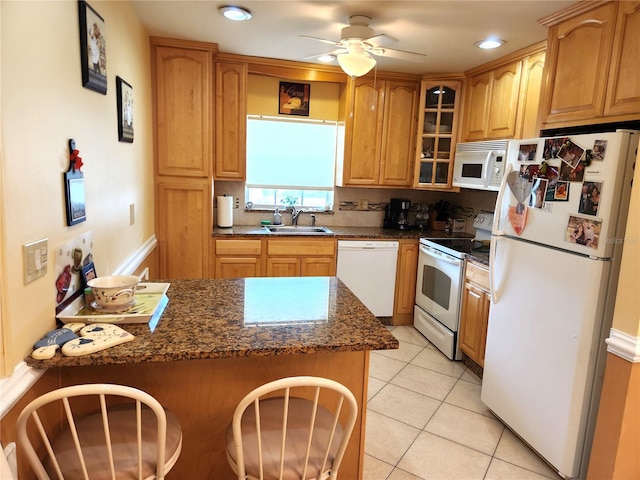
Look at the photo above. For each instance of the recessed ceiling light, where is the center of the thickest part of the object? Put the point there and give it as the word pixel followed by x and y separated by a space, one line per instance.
pixel 327 58
pixel 490 43
pixel 238 14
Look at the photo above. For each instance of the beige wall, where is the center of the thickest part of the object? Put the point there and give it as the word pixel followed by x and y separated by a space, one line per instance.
pixel 43 105
pixel 627 312
pixel 263 96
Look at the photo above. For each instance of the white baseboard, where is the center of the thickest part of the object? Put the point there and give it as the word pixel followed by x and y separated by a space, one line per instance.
pixel 132 263
pixel 24 377
pixel 624 345
pixel 16 385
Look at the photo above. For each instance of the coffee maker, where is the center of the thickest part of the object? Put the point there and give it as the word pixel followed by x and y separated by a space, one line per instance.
pixel 396 214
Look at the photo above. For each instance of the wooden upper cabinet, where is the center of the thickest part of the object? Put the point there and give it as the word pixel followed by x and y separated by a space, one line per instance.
pixel 623 85
pixel 492 103
pixel 364 131
pixel 437 133
pixel 502 96
pixel 592 67
pixel 230 120
pixel 183 87
pixel 477 108
pixel 579 53
pixel 529 98
pixel 380 133
pixel 503 101
pixel 398 133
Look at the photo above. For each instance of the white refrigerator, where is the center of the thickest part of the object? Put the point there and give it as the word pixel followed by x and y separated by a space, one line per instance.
pixel 555 255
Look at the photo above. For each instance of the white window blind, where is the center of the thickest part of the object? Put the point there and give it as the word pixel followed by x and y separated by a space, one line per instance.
pixel 290 153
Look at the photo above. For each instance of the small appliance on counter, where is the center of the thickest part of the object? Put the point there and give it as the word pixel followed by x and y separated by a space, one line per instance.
pixel 396 214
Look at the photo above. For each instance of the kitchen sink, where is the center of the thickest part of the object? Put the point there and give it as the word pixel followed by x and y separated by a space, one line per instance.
pixel 297 230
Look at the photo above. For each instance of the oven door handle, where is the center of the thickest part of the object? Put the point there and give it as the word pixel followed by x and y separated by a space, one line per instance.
pixel 441 257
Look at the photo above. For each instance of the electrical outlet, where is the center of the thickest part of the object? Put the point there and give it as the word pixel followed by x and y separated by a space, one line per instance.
pixel 236 203
pixel 363 205
pixel 35 258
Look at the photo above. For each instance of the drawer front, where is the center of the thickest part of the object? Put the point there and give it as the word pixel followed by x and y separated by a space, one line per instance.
pixel 478 274
pixel 238 247
pixel 324 246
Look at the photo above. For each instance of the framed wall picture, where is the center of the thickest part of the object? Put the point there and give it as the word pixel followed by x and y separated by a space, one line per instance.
pixel 88 273
pixel 93 51
pixel 124 94
pixel 294 99
pixel 74 189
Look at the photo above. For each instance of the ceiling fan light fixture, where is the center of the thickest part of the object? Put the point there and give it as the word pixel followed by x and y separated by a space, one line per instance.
pixel 234 13
pixel 490 43
pixel 356 64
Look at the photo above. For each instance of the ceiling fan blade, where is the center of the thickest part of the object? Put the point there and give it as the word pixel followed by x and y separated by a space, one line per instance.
pixel 399 54
pixel 380 40
pixel 323 40
pixel 317 55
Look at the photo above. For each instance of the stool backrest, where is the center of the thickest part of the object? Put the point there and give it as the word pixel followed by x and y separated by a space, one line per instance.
pixel 318 435
pixel 102 437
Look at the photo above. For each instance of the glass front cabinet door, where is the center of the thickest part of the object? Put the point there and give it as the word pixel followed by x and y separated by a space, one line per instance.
pixel 437 130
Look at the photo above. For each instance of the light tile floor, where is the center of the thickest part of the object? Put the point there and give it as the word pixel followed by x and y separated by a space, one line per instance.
pixel 425 420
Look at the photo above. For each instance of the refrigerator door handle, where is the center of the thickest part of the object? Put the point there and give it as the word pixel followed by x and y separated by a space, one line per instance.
pixel 493 287
pixel 498 209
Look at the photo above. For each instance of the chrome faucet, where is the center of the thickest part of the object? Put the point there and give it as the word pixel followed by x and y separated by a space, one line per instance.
pixel 295 213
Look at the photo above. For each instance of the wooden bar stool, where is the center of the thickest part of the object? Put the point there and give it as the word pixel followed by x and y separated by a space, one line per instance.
pixel 276 435
pixel 132 437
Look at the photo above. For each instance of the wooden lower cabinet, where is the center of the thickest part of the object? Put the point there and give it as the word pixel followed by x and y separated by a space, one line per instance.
pixel 474 319
pixel 290 257
pixel 318 266
pixel 184 221
pixel 283 267
pixel 238 267
pixel 282 257
pixel 237 258
pixel 406 272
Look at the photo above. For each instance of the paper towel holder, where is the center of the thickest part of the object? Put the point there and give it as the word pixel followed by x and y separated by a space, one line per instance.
pixel 225 211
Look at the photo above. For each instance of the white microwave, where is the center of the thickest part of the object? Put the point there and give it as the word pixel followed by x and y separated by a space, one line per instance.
pixel 480 165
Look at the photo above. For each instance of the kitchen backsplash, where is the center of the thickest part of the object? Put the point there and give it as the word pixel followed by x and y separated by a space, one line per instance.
pixel 362 207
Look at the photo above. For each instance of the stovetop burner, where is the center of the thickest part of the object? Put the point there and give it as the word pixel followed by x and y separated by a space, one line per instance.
pixel 461 247
pixel 456 247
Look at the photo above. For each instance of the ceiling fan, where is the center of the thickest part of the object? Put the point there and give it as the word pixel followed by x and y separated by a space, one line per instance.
pixel 358 42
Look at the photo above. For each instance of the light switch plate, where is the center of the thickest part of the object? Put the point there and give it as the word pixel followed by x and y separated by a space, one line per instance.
pixel 35 257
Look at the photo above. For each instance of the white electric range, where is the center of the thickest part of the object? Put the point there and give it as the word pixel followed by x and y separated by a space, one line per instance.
pixel 441 269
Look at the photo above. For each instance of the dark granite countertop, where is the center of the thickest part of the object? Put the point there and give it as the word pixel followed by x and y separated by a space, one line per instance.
pixel 219 318
pixel 340 232
pixel 482 258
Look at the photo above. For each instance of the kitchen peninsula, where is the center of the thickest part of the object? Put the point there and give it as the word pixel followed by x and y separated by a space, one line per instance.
pixel 219 339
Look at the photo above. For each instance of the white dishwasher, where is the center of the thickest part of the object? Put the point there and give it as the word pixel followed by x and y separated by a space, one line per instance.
pixel 368 268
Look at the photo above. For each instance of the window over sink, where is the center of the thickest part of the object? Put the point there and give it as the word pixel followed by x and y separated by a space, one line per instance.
pixel 290 161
